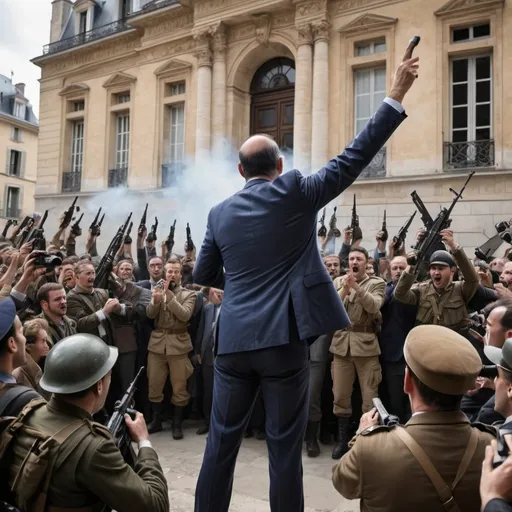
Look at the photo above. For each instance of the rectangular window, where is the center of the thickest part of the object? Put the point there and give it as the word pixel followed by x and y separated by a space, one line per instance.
pixel 15 163
pixel 77 146
pixel 122 140
pixel 370 91
pixel 123 97
pixel 78 106
pixel 176 133
pixel 83 23
pixel 19 110
pixel 370 48
pixel 12 206
pixel 176 89
pixel 17 134
pixel 126 8
pixel 463 34
pixel 471 98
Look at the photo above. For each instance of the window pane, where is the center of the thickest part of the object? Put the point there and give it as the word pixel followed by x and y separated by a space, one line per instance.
pixel 460 70
pixel 380 46
pixel 288 114
pixel 483 115
pixel 460 94
pixel 460 136
pixel 363 82
pixel 460 34
pixel 361 123
pixel 363 49
pixel 483 67
pixel 460 117
pixel 378 98
pixel 483 134
pixel 363 107
pixel 482 30
pixel 267 117
pixel 483 91
pixel 380 79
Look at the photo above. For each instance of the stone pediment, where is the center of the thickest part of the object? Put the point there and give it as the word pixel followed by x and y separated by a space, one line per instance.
pixel 172 66
pixel 119 79
pixel 74 89
pixel 367 22
pixel 455 6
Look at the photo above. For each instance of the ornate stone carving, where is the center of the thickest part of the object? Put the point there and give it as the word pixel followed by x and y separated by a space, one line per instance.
pixel 219 40
pixel 243 31
pixel 310 8
pixel 453 6
pixel 305 34
pixel 320 30
pixel 346 6
pixel 263 23
pixel 169 25
pixel 203 50
pixel 74 89
pixel 367 22
pixel 283 19
pixel 119 79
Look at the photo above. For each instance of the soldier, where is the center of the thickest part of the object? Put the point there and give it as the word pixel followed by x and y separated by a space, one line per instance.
pixel 441 301
pixel 169 346
pixel 356 348
pixel 88 470
pixel 437 456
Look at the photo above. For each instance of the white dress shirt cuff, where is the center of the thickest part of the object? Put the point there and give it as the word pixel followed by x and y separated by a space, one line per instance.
pixel 393 103
pixel 123 309
pixel 101 316
pixel 145 444
pixel 18 295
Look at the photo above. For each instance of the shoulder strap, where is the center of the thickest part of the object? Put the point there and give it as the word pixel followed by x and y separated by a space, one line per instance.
pixel 466 459
pixel 11 395
pixel 444 492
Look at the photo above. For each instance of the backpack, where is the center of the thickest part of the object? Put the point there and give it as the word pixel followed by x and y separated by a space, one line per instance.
pixel 32 472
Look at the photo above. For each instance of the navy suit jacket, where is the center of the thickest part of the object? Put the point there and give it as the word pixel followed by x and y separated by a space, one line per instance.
pixel 261 247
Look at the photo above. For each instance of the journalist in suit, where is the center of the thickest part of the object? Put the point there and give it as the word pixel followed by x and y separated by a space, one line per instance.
pixel 260 246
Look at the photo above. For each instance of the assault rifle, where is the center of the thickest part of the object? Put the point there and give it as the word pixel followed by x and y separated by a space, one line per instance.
pixel 322 231
pixel 128 239
pixel 95 227
pixel 432 238
pixel 357 234
pixel 399 240
pixel 169 242
pixel 24 231
pixel 107 262
pixel 190 244
pixel 384 417
pixel 7 226
pixel 143 220
pixel 152 234
pixel 117 425
pixel 37 235
pixel 68 215
pixel 384 229
pixel 75 228
pixel 487 249
pixel 333 230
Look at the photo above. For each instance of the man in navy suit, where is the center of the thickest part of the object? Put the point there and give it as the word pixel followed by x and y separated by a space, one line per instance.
pixel 261 248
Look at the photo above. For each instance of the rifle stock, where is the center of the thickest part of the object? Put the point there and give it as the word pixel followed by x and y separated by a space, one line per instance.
pixel 399 240
pixel 322 231
pixel 384 229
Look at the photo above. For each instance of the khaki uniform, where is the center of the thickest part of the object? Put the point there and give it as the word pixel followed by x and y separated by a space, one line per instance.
pixel 356 349
pixel 89 469
pixel 448 309
pixel 58 332
pixel 379 461
pixel 169 346
pixel 29 375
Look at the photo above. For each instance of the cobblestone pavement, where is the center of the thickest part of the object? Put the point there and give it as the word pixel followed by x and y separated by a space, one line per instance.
pixel 181 461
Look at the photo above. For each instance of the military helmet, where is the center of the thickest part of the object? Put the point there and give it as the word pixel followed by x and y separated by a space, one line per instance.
pixel 442 258
pixel 76 363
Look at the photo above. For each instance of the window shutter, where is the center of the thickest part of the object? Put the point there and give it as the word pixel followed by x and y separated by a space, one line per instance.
pixel 8 161
pixel 22 164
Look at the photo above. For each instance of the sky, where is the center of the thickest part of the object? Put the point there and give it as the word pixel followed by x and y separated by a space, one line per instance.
pixel 24 30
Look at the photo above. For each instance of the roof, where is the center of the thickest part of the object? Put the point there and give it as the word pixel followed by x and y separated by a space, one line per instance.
pixel 8 94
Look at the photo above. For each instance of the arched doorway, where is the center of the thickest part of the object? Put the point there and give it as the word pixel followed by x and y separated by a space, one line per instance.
pixel 272 101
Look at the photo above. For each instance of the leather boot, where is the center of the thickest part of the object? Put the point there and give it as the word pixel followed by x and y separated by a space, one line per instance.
pixel 156 421
pixel 312 446
pixel 177 421
pixel 343 438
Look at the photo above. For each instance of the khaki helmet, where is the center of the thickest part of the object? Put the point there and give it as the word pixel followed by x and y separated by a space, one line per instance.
pixel 76 363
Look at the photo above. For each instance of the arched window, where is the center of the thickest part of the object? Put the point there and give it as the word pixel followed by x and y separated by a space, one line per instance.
pixel 274 74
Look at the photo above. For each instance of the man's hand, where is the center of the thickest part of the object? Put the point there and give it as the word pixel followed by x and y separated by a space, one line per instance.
pixel 158 294
pixel 502 292
pixel 368 419
pixel 111 306
pixel 137 428
pixel 348 281
pixel 448 240
pixel 497 483
pixel 405 76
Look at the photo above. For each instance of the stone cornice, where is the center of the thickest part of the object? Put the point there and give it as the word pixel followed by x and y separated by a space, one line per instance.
pixel 309 11
pixel 16 121
pixel 350 6
pixel 71 89
pixel 119 79
pixel 367 22
pixel 459 6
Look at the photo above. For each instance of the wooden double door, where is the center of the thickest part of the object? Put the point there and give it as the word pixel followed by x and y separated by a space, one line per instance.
pixel 272 113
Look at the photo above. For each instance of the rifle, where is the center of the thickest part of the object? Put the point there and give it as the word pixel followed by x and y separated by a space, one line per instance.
pixel 487 249
pixel 427 220
pixel 152 234
pixel 322 230
pixel 107 262
pixel 37 235
pixel 143 220
pixel 384 229
pixel 399 240
pixel 190 244
pixel 169 242
pixel 432 237
pixel 8 224
pixel 75 228
pixel 354 224
pixel 128 239
pixel 95 226
pixel 24 231
pixel 384 417
pixel 333 230
pixel 117 425
pixel 68 215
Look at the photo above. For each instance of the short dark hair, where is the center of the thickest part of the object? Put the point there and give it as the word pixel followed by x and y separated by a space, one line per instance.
pixel 362 250
pixel 260 163
pixel 440 401
pixel 506 319
pixel 130 262
pixel 70 260
pixel 9 334
pixel 44 292
pixel 151 258
pixel 174 261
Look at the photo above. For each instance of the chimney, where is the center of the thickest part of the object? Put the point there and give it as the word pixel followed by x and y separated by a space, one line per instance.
pixel 61 9
pixel 21 88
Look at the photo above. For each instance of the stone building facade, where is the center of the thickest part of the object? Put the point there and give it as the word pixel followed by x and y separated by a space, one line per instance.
pixel 132 91
pixel 18 151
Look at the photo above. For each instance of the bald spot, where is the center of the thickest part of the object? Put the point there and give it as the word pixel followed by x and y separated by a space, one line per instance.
pixel 257 143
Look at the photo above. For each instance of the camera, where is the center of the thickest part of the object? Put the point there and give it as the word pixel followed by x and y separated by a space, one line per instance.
pixel 489 371
pixel 506 236
pixel 48 261
pixel 502 226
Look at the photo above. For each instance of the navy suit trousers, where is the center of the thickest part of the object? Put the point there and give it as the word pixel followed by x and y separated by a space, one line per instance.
pixel 282 374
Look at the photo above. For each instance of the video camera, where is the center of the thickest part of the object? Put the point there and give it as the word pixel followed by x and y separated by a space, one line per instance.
pixel 505 231
pixel 47 261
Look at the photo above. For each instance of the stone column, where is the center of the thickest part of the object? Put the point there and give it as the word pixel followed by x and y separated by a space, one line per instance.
pixel 320 116
pixel 219 91
pixel 303 83
pixel 204 94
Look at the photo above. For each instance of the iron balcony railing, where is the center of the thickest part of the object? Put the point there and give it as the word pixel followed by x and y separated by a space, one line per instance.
pixel 71 181
pixel 86 37
pixel 170 173
pixel 118 178
pixel 462 155
pixel 153 6
pixel 377 167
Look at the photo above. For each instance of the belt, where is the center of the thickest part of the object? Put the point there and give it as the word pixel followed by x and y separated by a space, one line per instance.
pixel 361 328
pixel 174 331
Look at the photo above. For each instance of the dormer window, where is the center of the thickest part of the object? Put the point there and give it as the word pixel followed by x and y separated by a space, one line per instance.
pixel 19 110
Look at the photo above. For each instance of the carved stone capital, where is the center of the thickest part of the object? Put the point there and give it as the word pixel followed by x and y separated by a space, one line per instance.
pixel 219 39
pixel 263 24
pixel 320 30
pixel 203 50
pixel 305 34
